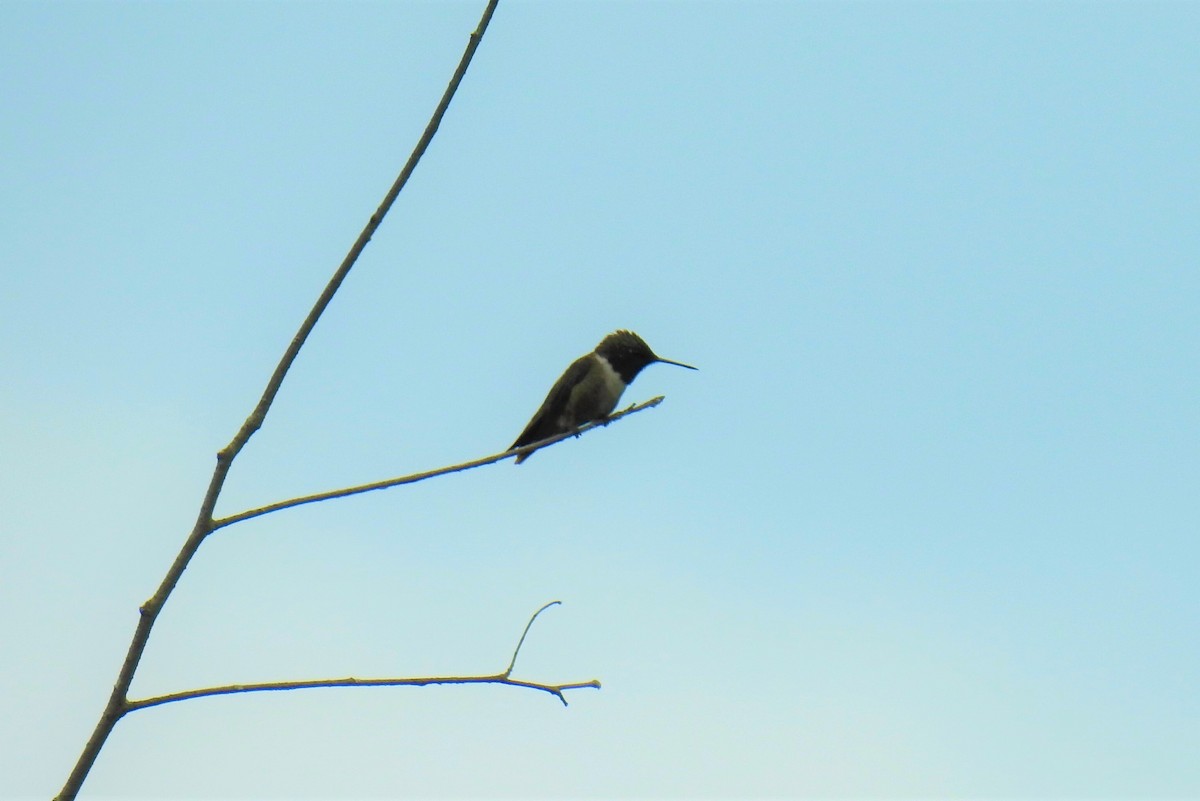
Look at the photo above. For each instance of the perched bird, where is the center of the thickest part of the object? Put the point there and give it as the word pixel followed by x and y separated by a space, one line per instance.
pixel 590 388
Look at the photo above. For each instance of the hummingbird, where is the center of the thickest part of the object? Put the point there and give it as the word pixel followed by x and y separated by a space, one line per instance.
pixel 590 388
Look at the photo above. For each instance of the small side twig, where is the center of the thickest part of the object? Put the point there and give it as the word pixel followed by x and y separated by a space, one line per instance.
pixel 415 477
pixel 521 641
pixel 556 690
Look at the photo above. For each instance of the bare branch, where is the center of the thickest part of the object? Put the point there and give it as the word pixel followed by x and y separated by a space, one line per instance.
pixel 521 641
pixel 118 703
pixel 273 686
pixel 415 477
pixel 255 420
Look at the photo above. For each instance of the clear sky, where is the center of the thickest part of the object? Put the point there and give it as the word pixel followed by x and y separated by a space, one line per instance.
pixel 925 524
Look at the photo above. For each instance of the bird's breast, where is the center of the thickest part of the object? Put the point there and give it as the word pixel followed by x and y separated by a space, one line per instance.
pixel 596 395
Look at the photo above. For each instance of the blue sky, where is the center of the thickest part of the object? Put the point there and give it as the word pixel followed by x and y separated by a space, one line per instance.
pixel 923 525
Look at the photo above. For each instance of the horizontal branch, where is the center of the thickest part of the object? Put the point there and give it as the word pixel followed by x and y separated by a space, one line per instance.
pixel 311 684
pixel 415 477
pixel 229 689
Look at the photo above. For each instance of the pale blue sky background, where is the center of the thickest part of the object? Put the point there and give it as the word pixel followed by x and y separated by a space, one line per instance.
pixel 924 524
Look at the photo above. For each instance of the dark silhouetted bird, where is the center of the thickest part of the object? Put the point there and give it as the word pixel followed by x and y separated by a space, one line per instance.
pixel 590 388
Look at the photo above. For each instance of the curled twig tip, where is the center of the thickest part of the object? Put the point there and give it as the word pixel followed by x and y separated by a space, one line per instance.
pixel 512 663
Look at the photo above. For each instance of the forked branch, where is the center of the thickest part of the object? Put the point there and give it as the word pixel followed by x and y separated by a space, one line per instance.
pixel 118 703
pixel 556 690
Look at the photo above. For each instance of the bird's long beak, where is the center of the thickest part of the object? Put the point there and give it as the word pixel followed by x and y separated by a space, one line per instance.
pixel 677 364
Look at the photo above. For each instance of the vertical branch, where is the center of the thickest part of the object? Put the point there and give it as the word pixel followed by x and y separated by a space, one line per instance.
pixel 118 701
pixel 255 420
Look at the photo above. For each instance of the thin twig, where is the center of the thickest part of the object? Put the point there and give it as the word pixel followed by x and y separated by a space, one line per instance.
pixel 310 684
pixel 521 641
pixel 255 420
pixel 415 477
pixel 118 703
